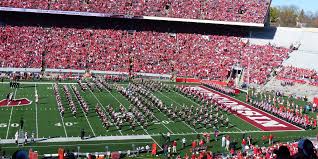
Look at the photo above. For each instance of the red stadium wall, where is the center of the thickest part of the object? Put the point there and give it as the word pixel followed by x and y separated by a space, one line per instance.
pixel 187 80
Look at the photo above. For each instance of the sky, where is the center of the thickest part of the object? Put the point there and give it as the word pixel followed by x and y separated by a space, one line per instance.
pixel 307 5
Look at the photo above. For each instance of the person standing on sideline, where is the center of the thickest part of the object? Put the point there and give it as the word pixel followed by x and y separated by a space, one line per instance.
pixel 183 143
pixel 36 97
pixel 227 143
pixel 25 137
pixel 168 136
pixel 32 136
pixel 223 141
pixel 174 146
pixel 216 134
pixel 21 123
pixel 16 136
pixel 270 139
pixel 82 134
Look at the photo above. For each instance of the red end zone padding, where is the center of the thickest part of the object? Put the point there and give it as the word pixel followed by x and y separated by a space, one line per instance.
pixel 221 83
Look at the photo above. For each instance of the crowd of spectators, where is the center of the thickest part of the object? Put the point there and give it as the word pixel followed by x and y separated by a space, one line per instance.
pixel 253 11
pixel 294 73
pixel 181 54
pixel 298 75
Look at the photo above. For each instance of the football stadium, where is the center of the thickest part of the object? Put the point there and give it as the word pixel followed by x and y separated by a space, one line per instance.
pixel 198 79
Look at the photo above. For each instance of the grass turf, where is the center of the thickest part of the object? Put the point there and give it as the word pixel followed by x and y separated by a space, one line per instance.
pixel 45 121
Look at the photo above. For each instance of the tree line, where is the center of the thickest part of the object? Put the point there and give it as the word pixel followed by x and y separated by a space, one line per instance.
pixel 292 16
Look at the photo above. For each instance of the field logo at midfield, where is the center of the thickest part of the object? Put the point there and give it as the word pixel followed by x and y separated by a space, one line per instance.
pixel 248 113
pixel 15 102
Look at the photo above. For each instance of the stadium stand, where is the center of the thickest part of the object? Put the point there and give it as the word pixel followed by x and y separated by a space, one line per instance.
pixel 248 11
pixel 302 40
pixel 182 54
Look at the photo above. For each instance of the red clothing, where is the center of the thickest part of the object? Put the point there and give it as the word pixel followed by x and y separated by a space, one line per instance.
pixel 194 144
pixel 271 137
pixel 201 143
pixel 154 149
pixel 243 142
pixel 264 138
pixel 209 156
pixel 174 143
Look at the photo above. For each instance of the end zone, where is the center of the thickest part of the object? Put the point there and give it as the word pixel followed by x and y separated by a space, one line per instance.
pixel 15 102
pixel 260 119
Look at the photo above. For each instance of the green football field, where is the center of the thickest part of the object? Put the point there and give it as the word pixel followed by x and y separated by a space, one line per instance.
pixel 46 122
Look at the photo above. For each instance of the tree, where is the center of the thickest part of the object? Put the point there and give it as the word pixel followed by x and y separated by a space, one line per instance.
pixel 274 14
pixel 288 16
pixel 301 17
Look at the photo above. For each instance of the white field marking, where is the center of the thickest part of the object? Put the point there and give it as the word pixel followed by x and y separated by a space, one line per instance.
pixel 181 106
pixel 97 144
pixel 138 122
pixel 134 119
pixel 83 112
pixel 231 132
pixel 36 115
pixel 199 105
pixel 202 87
pixel 44 83
pixel 61 118
pixel 154 114
pixel 15 92
pixel 105 110
pixel 186 98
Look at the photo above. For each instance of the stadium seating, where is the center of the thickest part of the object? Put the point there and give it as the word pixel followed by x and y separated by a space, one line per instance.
pixel 186 55
pixel 298 75
pixel 252 11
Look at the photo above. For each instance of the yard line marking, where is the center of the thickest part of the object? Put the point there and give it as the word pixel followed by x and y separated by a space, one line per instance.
pixel 199 105
pixel 181 106
pixel 84 113
pixel 36 115
pixel 88 144
pixel 154 114
pixel 15 93
pixel 138 122
pixel 105 110
pixel 186 98
pixel 61 118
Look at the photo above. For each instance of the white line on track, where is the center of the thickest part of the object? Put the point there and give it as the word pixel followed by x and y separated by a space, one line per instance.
pixel 15 92
pixel 138 123
pixel 61 118
pixel 36 114
pixel 84 113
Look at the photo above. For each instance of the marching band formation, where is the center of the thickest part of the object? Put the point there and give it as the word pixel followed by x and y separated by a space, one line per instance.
pixel 207 114
pixel 281 108
pixel 70 100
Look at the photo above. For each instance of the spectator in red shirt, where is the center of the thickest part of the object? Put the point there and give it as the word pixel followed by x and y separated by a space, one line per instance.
pixel 270 139
pixel 174 146
pixel 243 144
